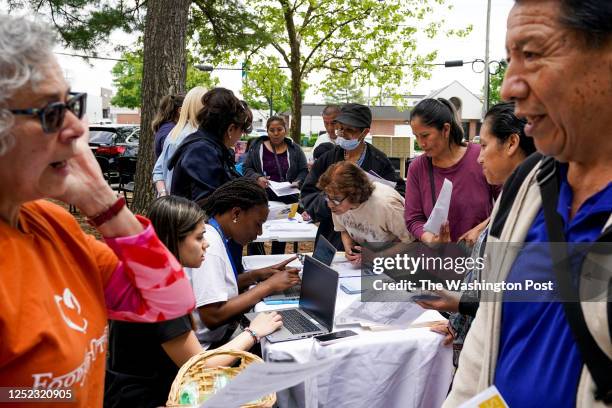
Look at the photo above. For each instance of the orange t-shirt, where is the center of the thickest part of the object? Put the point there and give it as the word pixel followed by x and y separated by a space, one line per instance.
pixel 53 325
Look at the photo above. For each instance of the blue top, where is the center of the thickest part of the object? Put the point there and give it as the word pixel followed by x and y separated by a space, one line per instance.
pixel 160 170
pixel 539 363
pixel 160 137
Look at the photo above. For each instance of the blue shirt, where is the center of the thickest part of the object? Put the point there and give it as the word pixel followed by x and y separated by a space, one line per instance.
pixel 539 363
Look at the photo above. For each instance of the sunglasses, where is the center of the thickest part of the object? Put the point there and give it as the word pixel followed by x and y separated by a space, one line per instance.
pixel 52 116
pixel 332 200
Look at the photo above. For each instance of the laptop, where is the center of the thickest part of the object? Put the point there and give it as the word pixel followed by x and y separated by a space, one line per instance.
pixel 315 315
pixel 324 252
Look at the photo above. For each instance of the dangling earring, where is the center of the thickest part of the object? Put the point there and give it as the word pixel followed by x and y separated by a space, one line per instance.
pixel 235 220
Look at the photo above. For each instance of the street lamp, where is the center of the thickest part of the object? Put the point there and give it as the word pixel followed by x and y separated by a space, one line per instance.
pixel 479 66
pixel 203 67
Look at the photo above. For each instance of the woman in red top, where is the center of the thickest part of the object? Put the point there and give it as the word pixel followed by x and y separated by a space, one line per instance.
pixel 58 285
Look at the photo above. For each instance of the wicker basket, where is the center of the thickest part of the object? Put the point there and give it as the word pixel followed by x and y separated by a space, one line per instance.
pixel 195 370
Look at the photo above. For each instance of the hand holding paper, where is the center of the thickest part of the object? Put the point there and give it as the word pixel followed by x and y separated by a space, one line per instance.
pixel 439 214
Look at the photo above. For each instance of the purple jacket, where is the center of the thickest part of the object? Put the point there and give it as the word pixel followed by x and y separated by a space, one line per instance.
pixel 471 201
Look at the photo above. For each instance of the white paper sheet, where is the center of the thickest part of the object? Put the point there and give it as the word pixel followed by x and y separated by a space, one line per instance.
pixel 439 214
pixel 283 189
pixel 491 397
pixel 396 314
pixel 261 379
pixel 278 211
pixel 263 261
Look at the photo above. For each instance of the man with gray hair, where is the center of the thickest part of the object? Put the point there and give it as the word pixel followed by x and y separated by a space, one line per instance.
pixel 329 115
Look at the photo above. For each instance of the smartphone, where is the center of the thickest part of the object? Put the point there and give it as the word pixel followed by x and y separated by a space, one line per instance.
pixel 331 338
pixel 356 250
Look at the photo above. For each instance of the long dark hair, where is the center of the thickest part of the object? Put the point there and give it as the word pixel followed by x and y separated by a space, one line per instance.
pixel 243 193
pixel 173 218
pixel 436 113
pixel 167 111
pixel 504 123
pixel 222 109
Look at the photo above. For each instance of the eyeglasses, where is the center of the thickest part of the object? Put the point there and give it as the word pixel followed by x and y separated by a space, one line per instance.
pixel 334 201
pixel 52 116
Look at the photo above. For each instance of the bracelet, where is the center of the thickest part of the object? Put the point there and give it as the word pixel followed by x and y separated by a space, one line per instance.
pixel 107 214
pixel 252 333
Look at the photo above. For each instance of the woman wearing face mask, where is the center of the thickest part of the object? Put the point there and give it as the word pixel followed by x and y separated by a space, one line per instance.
pixel 438 132
pixel 236 211
pixel 352 126
pixel 204 161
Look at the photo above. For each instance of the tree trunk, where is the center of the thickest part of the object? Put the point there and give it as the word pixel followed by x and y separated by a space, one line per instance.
pixel 296 105
pixel 164 72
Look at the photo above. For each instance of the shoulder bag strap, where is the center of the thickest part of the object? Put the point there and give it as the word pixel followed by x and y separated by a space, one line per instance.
pixel 432 184
pixel 598 363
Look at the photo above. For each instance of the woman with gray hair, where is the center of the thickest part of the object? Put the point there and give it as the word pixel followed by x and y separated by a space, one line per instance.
pixel 58 285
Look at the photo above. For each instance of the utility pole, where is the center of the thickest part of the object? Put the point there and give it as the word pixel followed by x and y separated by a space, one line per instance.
pixel 486 68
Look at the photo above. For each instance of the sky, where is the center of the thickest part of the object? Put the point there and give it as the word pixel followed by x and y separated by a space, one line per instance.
pixel 90 77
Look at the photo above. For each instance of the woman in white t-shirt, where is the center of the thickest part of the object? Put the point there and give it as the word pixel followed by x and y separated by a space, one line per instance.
pixel 236 211
pixel 362 210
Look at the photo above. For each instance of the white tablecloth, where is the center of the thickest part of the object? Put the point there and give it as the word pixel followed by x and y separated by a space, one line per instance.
pixel 395 368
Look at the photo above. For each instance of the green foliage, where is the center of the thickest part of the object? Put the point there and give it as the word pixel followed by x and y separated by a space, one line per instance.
pixel 85 24
pixel 266 86
pixel 344 91
pixel 495 85
pixel 365 42
pixel 127 77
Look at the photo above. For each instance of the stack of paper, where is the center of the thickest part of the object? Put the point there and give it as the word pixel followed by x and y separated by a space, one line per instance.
pixel 280 210
pixel 283 189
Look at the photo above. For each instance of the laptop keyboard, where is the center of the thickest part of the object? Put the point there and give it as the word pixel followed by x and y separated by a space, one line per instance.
pixel 295 322
pixel 293 291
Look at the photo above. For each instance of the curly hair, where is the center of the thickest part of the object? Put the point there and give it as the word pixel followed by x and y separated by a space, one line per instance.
pixel 221 109
pixel 347 179
pixel 25 48
pixel 243 193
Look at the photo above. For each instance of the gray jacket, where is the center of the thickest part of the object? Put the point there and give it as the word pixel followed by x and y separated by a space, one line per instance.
pixel 298 167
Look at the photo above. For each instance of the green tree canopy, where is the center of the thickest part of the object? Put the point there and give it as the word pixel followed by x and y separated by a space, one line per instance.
pixel 127 77
pixel 370 42
pixel 495 84
pixel 344 91
pixel 266 86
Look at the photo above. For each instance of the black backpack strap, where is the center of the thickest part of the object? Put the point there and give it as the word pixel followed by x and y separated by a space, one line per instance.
pixel 598 363
pixel 509 191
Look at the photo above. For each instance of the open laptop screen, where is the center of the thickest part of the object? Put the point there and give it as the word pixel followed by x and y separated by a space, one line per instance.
pixel 319 289
pixel 324 251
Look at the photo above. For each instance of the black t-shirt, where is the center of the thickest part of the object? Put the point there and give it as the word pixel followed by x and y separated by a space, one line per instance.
pixel 139 373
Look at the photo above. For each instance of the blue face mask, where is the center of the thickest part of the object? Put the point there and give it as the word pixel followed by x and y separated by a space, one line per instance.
pixel 348 145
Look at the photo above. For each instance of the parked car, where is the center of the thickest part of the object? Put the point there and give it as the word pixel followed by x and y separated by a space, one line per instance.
pixel 110 142
pixel 258 132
